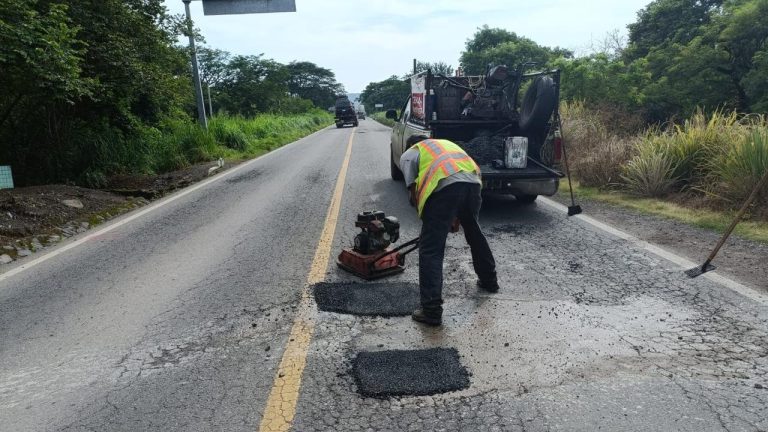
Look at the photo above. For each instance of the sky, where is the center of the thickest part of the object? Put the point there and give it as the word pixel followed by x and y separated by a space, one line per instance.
pixel 368 41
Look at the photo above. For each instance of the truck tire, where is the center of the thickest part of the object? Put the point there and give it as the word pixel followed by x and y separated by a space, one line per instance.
pixel 538 104
pixel 394 171
pixel 526 199
pixel 339 125
pixel 355 123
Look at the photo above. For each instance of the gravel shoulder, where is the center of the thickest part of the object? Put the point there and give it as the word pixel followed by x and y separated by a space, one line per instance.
pixel 33 218
pixel 743 260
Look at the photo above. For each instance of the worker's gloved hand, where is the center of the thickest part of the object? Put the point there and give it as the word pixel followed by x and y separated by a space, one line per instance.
pixel 412 195
pixel 455 225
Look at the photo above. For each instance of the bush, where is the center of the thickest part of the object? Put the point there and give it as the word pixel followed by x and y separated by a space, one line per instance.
pixel 691 146
pixel 736 171
pixel 227 132
pixel 650 174
pixel 380 117
pixel 596 155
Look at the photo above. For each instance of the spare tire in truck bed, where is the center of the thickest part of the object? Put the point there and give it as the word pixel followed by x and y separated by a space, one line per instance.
pixel 538 104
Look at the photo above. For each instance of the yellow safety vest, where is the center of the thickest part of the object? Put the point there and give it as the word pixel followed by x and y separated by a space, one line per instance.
pixel 439 159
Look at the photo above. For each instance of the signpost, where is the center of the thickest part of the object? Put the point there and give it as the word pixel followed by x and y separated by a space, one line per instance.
pixel 226 7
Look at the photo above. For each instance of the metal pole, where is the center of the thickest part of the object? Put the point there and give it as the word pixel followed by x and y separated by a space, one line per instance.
pixel 210 104
pixel 195 69
pixel 414 66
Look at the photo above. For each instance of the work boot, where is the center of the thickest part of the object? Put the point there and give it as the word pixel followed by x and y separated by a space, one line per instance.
pixel 434 320
pixel 488 286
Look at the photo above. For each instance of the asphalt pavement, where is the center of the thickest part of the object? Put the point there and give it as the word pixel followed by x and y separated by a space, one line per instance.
pixel 178 319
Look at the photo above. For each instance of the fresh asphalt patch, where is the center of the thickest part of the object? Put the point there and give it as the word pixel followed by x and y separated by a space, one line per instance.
pixel 369 299
pixel 409 372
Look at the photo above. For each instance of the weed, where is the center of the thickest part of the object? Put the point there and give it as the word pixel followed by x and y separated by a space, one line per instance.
pixel 650 174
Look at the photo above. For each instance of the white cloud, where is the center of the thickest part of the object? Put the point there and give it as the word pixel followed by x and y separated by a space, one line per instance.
pixel 372 40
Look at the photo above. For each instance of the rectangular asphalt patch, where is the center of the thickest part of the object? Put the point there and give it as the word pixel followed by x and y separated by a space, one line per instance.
pixel 370 299
pixel 409 373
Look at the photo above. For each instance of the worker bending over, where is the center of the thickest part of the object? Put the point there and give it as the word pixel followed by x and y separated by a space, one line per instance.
pixel 444 185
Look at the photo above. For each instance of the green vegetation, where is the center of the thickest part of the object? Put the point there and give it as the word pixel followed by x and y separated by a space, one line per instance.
pixel 380 117
pixel 717 158
pixel 178 144
pixel 92 88
pixel 391 93
pixel 245 138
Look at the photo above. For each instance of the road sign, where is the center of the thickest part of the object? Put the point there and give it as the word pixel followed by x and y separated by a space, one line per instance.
pixel 228 7
pixel 378 105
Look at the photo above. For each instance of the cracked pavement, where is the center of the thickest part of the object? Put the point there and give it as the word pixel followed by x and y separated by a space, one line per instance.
pixel 178 320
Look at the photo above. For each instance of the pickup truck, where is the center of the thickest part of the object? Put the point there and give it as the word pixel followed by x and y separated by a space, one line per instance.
pixel 344 112
pixel 518 149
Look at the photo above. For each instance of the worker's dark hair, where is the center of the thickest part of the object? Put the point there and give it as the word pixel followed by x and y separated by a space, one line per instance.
pixel 413 139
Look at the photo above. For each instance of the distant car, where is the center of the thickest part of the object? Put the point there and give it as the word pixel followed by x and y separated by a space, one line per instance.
pixel 518 150
pixel 361 115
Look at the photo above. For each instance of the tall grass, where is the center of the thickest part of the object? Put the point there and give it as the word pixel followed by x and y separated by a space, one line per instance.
pixel 737 169
pixel 178 143
pixel 650 174
pixel 380 117
pixel 596 153
pixel 716 158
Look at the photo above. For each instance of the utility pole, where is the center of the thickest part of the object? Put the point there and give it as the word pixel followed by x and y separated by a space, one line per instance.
pixel 210 104
pixel 414 66
pixel 195 69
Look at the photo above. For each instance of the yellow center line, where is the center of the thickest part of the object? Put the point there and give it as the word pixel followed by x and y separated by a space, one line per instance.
pixel 281 405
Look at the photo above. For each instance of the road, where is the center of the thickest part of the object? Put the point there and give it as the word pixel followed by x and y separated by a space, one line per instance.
pixel 178 318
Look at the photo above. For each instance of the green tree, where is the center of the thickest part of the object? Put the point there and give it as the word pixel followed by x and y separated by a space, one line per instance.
pixel 437 68
pixel 254 85
pixel 664 22
pixel 87 73
pixel 40 57
pixel 392 93
pixel 493 46
pixel 600 80
pixel 310 81
pixel 214 65
pixel 743 35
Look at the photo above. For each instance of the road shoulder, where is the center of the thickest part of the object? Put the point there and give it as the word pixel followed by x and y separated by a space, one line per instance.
pixel 740 259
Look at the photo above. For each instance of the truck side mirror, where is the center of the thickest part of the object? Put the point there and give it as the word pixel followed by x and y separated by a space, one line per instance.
pixel 391 114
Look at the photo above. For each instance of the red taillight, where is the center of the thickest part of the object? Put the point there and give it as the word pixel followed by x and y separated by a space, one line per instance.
pixel 558 141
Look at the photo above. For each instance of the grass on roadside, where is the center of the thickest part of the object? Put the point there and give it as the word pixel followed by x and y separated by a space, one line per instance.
pixel 179 143
pixel 380 117
pixel 709 219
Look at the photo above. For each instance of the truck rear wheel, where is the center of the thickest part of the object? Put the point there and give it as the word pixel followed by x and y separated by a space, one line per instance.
pixel 526 199
pixel 397 175
pixel 339 125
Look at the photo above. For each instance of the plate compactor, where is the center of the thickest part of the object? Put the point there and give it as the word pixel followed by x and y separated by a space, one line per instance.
pixel 373 255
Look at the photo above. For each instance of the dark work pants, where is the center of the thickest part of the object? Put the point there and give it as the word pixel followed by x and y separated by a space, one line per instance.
pixel 460 200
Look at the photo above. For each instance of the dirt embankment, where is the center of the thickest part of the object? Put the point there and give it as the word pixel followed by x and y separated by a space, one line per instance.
pixel 32 218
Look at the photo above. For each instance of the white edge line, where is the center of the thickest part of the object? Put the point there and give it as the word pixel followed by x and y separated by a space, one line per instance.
pixel 683 263
pixel 152 207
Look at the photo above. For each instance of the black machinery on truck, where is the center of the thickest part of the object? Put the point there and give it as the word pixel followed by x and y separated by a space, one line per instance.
pixel 517 144
pixel 345 113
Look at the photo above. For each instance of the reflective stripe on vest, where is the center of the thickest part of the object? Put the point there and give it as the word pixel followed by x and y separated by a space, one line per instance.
pixel 439 159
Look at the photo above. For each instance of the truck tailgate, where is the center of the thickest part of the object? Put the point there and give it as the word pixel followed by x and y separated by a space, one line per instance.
pixel 530 172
